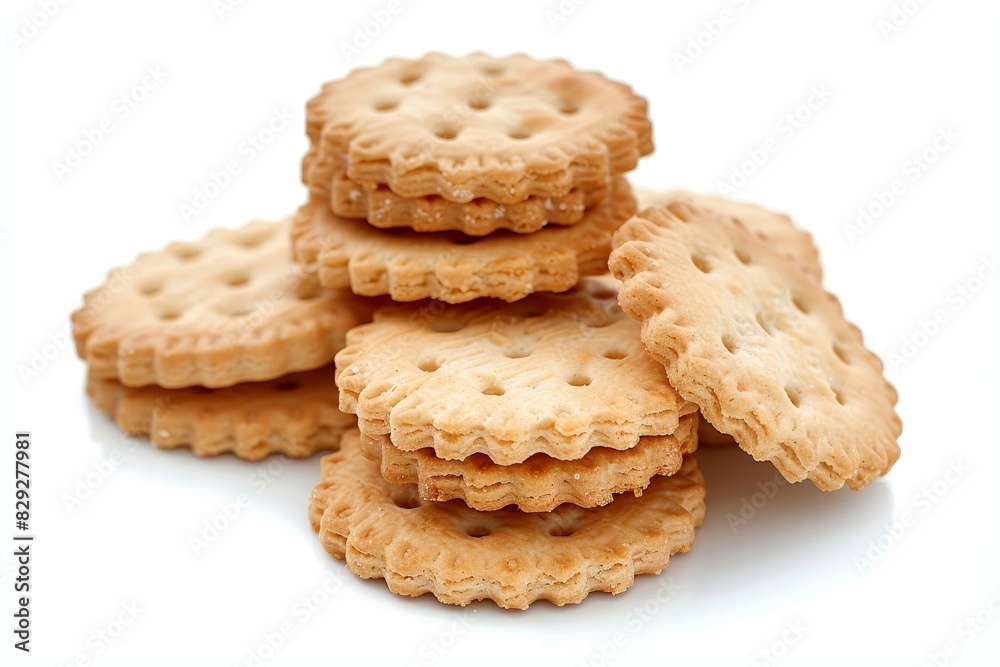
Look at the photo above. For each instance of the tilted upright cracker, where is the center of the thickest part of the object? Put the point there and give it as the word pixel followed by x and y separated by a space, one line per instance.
pixel 762 349
pixel 776 228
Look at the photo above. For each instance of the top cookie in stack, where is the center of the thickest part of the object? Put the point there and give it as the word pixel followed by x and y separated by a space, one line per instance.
pixel 458 178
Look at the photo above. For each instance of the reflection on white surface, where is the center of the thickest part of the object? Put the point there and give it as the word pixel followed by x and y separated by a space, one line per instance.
pixel 760 533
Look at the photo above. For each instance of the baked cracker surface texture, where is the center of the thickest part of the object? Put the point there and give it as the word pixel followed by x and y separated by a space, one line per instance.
pixel 556 374
pixel 758 345
pixel 776 228
pixel 295 415
pixel 502 128
pixel 232 307
pixel 514 558
pixel 455 267
pixel 541 483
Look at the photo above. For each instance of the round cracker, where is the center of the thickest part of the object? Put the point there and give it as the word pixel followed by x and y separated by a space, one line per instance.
pixel 454 267
pixel 479 126
pixel 511 557
pixel 555 374
pixel 384 209
pixel 232 307
pixel 762 349
pixel 541 483
pixel 295 415
pixel 776 228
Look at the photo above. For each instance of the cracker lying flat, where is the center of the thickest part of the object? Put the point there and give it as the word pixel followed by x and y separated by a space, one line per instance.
pixel 477 126
pixel 555 374
pixel 762 349
pixel 541 483
pixel 777 228
pixel 295 415
pixel 454 267
pixel 511 557
pixel 232 307
pixel 384 209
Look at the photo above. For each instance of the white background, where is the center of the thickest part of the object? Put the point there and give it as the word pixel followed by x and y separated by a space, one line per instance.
pixel 794 564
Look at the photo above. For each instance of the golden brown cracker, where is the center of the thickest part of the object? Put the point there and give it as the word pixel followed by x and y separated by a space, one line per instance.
pixel 541 483
pixel 384 209
pixel 762 349
pixel 511 557
pixel 232 307
pixel 555 374
pixel 295 415
pixel 478 126
pixel 451 266
pixel 776 228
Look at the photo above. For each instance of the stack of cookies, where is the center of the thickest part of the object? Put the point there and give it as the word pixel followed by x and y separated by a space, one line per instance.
pixel 514 424
pixel 507 430
pixel 491 184
pixel 221 345
pixel 458 178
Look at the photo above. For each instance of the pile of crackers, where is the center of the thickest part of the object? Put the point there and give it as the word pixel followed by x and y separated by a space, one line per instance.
pixel 514 363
